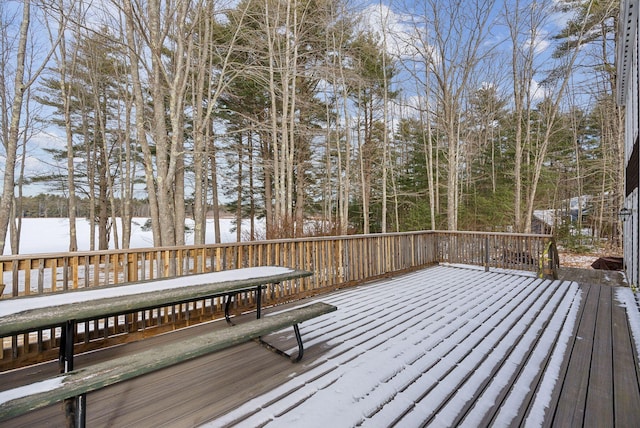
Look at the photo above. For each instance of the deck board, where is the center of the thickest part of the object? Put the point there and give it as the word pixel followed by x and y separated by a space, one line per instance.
pixel 599 403
pixel 574 381
pixel 625 372
pixel 600 382
pixel 486 347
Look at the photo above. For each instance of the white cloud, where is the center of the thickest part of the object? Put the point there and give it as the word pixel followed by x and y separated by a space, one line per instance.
pixel 539 42
pixel 400 36
pixel 538 92
pixel 46 140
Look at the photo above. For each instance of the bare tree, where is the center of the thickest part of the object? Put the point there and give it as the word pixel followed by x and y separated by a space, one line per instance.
pixel 66 62
pixel 12 114
pixel 450 43
pixel 164 28
pixel 558 83
pixel 206 90
pixel 339 135
pixel 525 27
pixel 281 26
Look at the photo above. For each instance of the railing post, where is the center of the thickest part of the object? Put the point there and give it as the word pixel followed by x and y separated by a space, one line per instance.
pixel 486 253
pixel 335 260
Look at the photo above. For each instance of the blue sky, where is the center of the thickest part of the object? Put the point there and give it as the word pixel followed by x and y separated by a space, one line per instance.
pixel 402 28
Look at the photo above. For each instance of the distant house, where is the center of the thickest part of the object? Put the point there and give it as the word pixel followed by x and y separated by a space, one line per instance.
pixel 543 222
pixel 546 221
pixel 628 95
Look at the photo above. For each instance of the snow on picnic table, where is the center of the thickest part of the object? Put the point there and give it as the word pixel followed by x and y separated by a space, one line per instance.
pixel 437 346
pixel 14 306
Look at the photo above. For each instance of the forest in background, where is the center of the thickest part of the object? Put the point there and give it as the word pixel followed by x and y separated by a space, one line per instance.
pixel 371 117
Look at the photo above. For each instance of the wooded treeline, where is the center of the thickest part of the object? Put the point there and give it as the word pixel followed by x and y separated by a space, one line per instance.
pixel 372 118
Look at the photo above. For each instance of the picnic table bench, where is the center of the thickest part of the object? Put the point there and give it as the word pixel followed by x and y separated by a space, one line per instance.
pixel 65 309
pixel 24 314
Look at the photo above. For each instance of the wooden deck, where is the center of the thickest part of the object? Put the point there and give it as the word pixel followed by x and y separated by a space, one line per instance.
pixel 598 384
pixel 443 346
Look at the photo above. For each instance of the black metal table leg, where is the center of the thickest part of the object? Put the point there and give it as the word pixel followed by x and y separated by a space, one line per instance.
pixel 66 346
pixel 75 408
pixel 299 340
pixel 62 350
pixel 81 411
pixel 227 305
pixel 281 352
pixel 258 301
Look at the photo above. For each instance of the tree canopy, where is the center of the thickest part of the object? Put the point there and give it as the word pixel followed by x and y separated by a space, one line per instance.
pixel 369 118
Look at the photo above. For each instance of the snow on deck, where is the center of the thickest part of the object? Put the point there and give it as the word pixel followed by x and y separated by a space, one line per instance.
pixel 444 346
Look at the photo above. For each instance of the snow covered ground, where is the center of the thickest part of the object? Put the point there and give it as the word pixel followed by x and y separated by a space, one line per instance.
pixel 51 235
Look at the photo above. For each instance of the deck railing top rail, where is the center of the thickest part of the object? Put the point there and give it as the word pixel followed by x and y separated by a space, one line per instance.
pixel 36 256
pixel 46 272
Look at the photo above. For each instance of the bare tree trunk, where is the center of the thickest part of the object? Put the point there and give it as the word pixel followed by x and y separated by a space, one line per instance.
pixel 129 170
pixel 550 120
pixel 239 188
pixel 385 119
pixel 141 133
pixel 11 137
pixel 16 216
pixel 344 173
pixel 200 84
pixel 453 58
pixel 164 158
pixel 252 192
pixel 165 27
pixel 203 91
pixel 11 143
pixel 524 21
pixel 428 148
pixel 215 204
pixel 90 156
pixel 365 188
pixel 66 105
pixel 292 68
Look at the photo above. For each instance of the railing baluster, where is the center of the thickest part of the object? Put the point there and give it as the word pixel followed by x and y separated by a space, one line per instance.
pixel 336 261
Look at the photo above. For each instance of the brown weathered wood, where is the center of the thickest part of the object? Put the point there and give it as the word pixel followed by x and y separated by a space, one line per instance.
pixel 575 379
pixel 381 249
pixel 627 385
pixel 599 382
pixel 214 385
pixel 337 261
pixel 117 370
pixel 599 403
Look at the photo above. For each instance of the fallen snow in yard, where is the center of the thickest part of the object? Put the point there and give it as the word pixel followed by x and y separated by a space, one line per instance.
pixel 51 235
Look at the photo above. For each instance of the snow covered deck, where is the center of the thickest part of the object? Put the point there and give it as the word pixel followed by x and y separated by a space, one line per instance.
pixel 442 346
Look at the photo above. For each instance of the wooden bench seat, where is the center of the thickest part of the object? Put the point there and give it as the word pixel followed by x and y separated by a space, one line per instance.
pixel 78 382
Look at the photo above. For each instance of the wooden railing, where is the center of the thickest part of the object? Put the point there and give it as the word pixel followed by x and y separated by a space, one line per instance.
pixel 535 253
pixel 335 261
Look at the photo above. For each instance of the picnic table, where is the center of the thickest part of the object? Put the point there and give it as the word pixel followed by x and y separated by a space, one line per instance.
pixel 29 313
pixel 65 309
